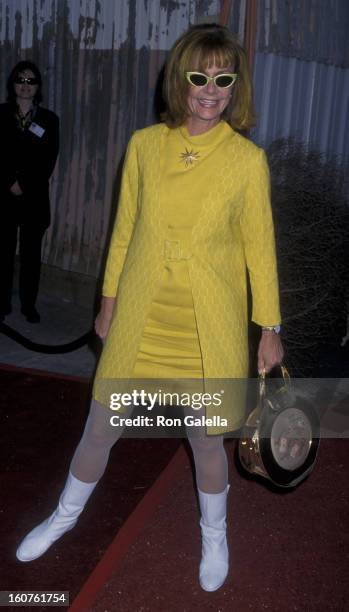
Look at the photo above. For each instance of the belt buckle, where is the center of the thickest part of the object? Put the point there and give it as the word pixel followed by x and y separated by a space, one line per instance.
pixel 172 249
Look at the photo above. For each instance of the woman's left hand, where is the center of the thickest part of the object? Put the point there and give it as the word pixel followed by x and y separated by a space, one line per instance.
pixel 270 351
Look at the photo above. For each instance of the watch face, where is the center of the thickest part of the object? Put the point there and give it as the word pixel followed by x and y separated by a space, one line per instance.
pixel 277 329
pixel 291 438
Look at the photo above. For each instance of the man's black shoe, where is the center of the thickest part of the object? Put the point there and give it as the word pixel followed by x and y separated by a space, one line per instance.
pixel 31 315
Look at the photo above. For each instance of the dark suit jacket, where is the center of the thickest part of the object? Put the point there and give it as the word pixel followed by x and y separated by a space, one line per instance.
pixel 30 160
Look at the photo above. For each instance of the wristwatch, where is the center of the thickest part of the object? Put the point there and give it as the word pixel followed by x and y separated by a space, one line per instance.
pixel 275 328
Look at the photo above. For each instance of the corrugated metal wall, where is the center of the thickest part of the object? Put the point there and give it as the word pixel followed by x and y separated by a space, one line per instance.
pixel 301 73
pixel 306 100
pixel 100 61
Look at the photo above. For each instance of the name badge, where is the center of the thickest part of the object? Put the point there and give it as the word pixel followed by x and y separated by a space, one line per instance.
pixel 36 129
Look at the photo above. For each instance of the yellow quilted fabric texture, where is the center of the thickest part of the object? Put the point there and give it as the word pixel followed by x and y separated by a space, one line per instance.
pixel 170 347
pixel 234 228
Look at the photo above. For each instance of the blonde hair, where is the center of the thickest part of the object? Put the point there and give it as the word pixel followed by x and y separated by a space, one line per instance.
pixel 198 48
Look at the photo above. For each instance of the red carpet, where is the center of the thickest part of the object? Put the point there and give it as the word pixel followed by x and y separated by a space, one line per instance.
pixel 42 416
pixel 129 532
pixel 289 550
pixel 137 545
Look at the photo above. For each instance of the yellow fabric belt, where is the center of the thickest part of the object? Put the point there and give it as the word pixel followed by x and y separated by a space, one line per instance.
pixel 175 250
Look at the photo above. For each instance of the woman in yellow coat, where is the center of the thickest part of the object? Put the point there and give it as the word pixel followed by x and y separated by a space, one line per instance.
pixel 194 215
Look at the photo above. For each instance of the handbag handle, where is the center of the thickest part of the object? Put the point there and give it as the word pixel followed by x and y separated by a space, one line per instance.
pixel 262 377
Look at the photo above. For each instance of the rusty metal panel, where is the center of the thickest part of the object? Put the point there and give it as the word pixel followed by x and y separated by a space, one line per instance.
pixel 100 61
pixel 311 30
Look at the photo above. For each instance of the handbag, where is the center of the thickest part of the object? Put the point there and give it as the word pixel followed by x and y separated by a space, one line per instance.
pixel 281 436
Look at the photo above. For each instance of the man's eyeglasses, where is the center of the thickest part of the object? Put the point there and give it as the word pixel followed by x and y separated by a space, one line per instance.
pixel 199 79
pixel 29 81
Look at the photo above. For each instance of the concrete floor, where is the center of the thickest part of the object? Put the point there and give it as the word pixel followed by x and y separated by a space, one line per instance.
pixel 62 321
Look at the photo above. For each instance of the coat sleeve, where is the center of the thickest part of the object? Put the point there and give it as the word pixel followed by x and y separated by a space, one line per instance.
pixel 124 223
pixel 259 244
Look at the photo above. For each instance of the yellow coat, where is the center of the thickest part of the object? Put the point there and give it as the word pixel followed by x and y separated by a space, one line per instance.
pixel 234 229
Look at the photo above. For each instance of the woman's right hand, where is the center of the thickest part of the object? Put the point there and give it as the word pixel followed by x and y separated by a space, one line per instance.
pixel 104 317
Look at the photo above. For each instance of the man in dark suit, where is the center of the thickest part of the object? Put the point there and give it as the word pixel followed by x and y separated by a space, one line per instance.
pixel 28 152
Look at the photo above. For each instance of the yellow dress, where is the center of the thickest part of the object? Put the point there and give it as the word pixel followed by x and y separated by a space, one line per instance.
pixel 170 346
pixel 219 211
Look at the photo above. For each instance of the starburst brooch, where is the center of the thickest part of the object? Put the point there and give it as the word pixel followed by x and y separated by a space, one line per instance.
pixel 189 157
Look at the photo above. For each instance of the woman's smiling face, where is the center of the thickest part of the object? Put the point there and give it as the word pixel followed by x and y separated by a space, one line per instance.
pixel 206 104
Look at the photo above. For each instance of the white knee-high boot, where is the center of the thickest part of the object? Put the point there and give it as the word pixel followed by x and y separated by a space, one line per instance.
pixel 215 557
pixel 71 503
